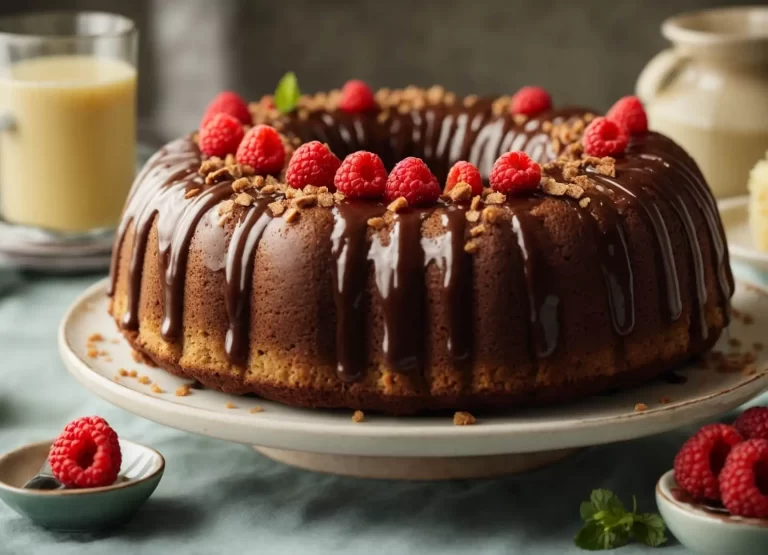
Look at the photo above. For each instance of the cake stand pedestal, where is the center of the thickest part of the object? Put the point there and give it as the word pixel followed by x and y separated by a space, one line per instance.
pixel 417 468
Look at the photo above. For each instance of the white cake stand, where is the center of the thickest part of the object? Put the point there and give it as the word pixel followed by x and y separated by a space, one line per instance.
pixel 426 447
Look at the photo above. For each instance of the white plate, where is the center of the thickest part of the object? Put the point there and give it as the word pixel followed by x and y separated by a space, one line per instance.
pixel 61 264
pixel 735 216
pixel 601 419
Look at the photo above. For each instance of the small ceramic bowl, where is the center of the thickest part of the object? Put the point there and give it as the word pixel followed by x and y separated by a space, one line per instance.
pixel 79 510
pixel 706 530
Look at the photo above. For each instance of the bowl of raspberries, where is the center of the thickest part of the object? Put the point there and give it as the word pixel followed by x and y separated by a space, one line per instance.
pixel 715 500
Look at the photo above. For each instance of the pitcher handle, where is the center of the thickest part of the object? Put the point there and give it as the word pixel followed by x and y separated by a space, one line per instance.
pixel 657 74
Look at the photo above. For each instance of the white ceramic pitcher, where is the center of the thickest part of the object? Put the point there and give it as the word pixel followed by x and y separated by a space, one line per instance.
pixel 709 91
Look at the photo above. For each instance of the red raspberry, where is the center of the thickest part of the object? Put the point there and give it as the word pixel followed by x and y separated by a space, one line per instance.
pixel 86 454
pixel 411 178
pixel 227 102
pixel 361 175
pixel 530 101
pixel 514 172
pixel 744 480
pixel 753 423
pixel 312 164
pixel 262 149
pixel 221 135
pixel 467 173
pixel 356 97
pixel 629 113
pixel 603 137
pixel 700 460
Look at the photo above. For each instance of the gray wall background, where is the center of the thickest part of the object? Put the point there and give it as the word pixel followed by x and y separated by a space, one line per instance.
pixel 585 52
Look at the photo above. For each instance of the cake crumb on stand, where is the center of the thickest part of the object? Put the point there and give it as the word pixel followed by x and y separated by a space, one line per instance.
pixel 358 416
pixel 256 409
pixel 463 418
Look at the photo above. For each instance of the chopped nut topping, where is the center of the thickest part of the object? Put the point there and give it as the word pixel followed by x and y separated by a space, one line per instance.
pixel 239 185
pixel 192 193
pixel 552 187
pixel 583 181
pixel 397 205
pixel 470 100
pixel 471 246
pixel 382 117
pixel 588 117
pixel 226 207
pixel 584 202
pixel 546 127
pixel 291 215
pixel 449 99
pixel 291 193
pixel 461 192
pixel 212 164
pixel 574 191
pixel 271 180
pixel 473 216
pixel 247 170
pixel 358 416
pixel 495 198
pixel 463 418
pixel 338 197
pixel 492 214
pixel 305 202
pixel 376 223
pixel 219 175
pixel 477 230
pixel 244 199
pixel 476 200
pixel 230 160
pixel 641 407
pixel 276 207
pixel 268 189
pixel 325 199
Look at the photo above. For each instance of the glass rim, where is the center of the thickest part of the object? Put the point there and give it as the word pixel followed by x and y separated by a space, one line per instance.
pixel 127 27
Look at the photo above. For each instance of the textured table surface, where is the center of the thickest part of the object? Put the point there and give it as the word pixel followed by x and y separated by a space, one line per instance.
pixel 218 497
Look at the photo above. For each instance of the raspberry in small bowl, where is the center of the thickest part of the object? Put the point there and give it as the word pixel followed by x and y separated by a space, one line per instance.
pixel 87 479
pixel 715 500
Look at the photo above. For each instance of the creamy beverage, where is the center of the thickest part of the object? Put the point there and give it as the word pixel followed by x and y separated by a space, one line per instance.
pixel 68 159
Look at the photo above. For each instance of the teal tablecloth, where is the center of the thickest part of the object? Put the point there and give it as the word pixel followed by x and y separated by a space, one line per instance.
pixel 218 497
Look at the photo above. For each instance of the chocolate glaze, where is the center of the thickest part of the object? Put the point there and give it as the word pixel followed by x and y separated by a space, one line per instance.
pixel 653 170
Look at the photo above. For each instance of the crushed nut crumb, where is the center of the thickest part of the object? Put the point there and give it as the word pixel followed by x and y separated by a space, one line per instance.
pixel 461 192
pixel 463 418
pixel 305 202
pixel 641 407
pixel 276 207
pixel 230 406
pixel 325 200
pixel 491 214
pixel 156 388
pixel 475 204
pixel 254 410
pixel 377 222
pixel 182 390
pixel 471 246
pixel 473 216
pixel 240 185
pixel 291 215
pixel 400 203
pixel 95 337
pixel 192 193
pixel 144 380
pixel 495 198
pixel 358 416
pixel 477 230
pixel 584 202
pixel 244 199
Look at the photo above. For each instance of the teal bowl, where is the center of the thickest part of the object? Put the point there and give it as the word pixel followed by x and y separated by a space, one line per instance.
pixel 79 510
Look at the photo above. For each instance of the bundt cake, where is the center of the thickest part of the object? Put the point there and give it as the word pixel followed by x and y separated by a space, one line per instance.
pixel 596 258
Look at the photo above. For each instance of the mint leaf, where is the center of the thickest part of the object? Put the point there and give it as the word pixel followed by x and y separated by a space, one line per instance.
pixel 606 500
pixel 649 528
pixel 587 511
pixel 287 93
pixel 590 537
pixel 609 525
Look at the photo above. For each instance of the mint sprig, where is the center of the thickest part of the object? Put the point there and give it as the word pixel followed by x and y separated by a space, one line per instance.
pixel 287 93
pixel 607 524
